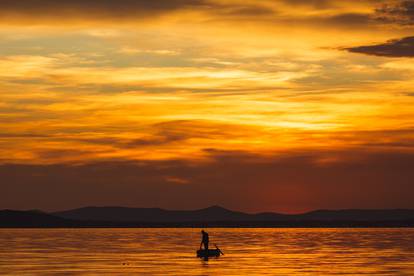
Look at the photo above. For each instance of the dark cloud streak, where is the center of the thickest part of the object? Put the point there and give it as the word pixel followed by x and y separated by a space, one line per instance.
pixel 403 47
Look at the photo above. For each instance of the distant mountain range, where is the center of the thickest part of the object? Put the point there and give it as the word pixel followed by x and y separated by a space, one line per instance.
pixel 214 216
pixel 12 218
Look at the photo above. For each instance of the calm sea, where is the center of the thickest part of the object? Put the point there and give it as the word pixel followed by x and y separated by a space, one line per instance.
pixel 172 252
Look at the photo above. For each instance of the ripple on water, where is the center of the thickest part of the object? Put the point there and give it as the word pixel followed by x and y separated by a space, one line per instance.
pixel 172 251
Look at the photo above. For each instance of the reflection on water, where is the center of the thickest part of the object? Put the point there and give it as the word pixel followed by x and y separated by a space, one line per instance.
pixel 172 251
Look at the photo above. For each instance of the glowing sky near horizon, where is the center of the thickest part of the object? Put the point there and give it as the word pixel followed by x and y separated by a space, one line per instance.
pixel 152 82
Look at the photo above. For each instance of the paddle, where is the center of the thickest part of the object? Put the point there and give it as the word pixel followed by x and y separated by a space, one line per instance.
pixel 218 249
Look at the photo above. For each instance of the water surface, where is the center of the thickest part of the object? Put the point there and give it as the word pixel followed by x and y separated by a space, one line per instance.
pixel 172 252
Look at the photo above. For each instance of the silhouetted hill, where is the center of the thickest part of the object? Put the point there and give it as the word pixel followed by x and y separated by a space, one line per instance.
pixel 214 216
pixel 359 215
pixel 123 214
pixel 11 218
pixel 217 213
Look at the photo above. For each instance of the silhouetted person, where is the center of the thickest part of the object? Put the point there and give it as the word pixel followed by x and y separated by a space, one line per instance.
pixel 204 239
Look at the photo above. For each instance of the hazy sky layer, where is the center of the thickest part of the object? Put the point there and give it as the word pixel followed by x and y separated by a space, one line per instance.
pixel 286 105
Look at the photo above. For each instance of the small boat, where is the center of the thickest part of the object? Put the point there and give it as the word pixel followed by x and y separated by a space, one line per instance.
pixel 202 253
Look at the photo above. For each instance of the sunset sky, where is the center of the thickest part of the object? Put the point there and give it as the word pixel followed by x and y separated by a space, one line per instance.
pixel 270 105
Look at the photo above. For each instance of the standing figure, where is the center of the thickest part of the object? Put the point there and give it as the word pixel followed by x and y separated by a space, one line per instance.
pixel 204 239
